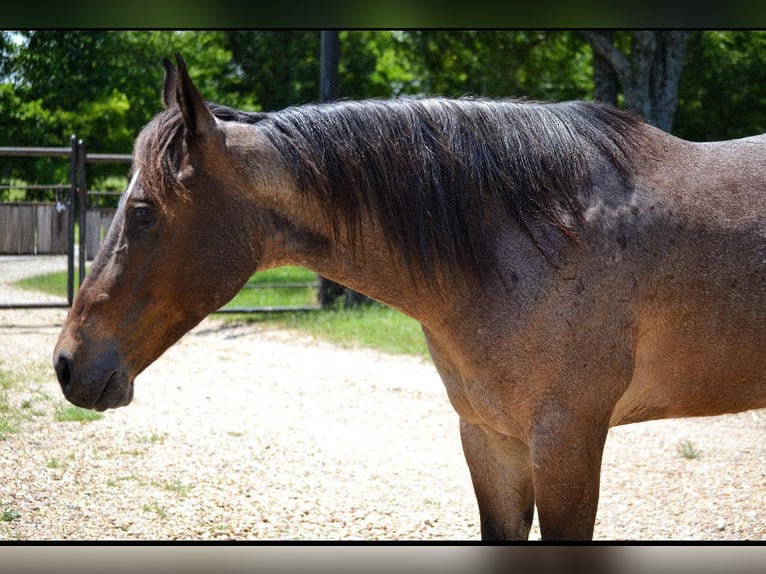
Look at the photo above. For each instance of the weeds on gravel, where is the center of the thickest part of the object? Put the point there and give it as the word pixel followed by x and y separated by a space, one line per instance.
pixel 179 488
pixel 9 515
pixel 113 482
pixel 157 509
pixel 6 427
pixel 154 438
pixel 687 450
pixel 7 418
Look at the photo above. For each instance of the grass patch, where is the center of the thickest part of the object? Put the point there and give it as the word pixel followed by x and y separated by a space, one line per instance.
pixel 50 283
pixel 133 452
pixel 71 413
pixel 7 427
pixel 113 482
pixel 6 380
pixel 9 515
pixel 375 326
pixel 259 293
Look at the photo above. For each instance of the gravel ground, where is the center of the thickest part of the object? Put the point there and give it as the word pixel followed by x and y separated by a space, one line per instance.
pixel 249 433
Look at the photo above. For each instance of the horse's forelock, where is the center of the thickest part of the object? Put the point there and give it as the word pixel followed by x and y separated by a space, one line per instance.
pixel 160 146
pixel 157 153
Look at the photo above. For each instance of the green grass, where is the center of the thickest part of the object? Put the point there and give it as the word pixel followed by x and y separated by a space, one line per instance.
pixel 71 413
pixel 277 296
pixel 50 283
pixel 374 326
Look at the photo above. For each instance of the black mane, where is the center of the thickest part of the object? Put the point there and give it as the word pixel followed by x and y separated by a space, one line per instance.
pixel 436 173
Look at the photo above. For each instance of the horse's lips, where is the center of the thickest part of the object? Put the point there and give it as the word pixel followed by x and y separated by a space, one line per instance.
pixel 117 392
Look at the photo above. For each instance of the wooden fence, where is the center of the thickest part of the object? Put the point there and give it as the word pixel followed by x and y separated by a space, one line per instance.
pixel 33 229
pixel 97 222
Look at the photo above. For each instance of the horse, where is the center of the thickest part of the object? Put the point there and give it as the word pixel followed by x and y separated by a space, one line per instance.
pixel 572 267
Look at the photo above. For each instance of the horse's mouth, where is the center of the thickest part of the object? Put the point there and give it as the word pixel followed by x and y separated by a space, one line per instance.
pixel 84 391
pixel 117 392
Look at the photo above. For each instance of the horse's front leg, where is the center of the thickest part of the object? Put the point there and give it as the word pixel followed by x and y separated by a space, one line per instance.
pixel 502 480
pixel 566 452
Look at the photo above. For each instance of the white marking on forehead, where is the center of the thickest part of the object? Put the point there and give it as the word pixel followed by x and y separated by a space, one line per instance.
pixel 128 191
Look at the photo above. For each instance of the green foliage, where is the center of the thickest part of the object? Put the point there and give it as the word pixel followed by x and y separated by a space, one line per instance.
pixel 546 65
pixel 279 67
pixel 722 94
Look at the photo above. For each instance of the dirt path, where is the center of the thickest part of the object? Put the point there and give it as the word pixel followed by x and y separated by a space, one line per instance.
pixel 241 432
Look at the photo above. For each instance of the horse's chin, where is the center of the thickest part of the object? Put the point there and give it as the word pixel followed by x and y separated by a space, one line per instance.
pixel 118 392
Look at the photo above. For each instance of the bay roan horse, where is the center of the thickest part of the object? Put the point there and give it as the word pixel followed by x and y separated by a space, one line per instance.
pixel 572 267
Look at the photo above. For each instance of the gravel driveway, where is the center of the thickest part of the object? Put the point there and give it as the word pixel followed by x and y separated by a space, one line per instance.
pixel 250 433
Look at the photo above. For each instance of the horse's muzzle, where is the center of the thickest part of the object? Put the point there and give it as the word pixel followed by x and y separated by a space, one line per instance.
pixel 100 383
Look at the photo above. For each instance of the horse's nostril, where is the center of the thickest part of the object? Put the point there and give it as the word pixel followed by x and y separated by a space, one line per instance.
pixel 64 372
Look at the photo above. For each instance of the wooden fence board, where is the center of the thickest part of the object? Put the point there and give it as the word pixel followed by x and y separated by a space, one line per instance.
pixel 18 229
pixel 97 222
pixel 7 234
pixel 32 228
pixel 52 228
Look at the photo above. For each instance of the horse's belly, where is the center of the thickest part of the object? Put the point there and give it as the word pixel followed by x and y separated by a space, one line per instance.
pixel 694 372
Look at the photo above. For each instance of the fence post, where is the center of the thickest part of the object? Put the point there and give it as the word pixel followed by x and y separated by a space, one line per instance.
pixel 70 203
pixel 82 200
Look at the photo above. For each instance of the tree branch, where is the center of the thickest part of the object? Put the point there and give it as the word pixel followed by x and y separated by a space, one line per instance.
pixel 601 43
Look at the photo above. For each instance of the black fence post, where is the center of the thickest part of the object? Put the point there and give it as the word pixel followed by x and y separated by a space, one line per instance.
pixel 70 206
pixel 82 200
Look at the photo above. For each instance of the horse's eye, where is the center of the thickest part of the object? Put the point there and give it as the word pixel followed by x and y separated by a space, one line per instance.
pixel 142 214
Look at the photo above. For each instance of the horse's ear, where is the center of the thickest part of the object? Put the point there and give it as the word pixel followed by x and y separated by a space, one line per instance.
pixel 200 122
pixel 171 79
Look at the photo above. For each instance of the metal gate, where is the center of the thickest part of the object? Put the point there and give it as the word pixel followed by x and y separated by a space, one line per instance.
pixel 28 228
pixel 32 228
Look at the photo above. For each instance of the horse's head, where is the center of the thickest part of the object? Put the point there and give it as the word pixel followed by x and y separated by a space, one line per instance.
pixel 182 243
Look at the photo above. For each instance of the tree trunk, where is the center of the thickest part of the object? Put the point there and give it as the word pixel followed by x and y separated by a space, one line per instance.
pixel 606 84
pixel 649 75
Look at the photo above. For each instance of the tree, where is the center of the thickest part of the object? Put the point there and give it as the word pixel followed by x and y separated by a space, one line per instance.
pixel 646 64
pixel 543 65
pixel 722 94
pixel 101 85
pixel 277 68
